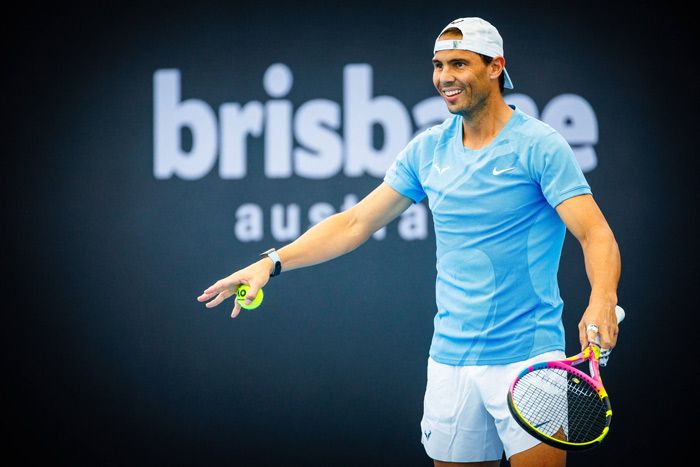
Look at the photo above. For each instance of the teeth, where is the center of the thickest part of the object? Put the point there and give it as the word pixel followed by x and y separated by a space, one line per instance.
pixel 452 92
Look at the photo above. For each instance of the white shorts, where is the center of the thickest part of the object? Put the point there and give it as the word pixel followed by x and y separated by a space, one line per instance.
pixel 465 411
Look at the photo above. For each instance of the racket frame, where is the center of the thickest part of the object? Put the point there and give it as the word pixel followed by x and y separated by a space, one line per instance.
pixel 591 354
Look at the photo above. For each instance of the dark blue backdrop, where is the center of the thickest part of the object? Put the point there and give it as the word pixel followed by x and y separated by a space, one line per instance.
pixel 112 361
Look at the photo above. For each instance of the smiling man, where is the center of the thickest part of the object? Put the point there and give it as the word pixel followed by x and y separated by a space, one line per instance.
pixel 502 187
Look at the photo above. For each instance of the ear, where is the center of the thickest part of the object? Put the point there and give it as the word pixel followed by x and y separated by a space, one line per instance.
pixel 496 67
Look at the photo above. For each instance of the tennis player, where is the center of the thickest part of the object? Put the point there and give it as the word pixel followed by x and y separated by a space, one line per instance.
pixel 502 187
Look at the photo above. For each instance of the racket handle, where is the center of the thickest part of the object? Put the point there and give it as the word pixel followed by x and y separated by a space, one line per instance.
pixel 620 313
pixel 605 353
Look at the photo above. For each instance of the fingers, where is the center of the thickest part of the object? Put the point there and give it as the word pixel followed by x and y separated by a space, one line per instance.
pixel 608 341
pixel 592 333
pixel 582 335
pixel 206 296
pixel 219 298
pixel 255 276
pixel 252 293
pixel 608 336
pixel 598 325
pixel 221 290
pixel 236 309
pixel 604 336
pixel 218 287
pixel 210 292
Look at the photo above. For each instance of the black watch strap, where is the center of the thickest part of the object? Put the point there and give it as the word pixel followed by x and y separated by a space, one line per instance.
pixel 272 254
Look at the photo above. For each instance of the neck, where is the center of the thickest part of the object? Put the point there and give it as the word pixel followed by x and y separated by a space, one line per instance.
pixel 483 123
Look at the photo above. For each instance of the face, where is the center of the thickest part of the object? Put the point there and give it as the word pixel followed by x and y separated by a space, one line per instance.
pixel 463 80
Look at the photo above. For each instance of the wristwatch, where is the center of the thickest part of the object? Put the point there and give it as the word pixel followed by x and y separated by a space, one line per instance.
pixel 272 254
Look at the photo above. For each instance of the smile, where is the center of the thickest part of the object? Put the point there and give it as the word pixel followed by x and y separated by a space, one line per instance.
pixel 451 92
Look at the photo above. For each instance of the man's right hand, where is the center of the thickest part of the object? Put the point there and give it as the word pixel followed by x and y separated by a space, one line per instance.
pixel 255 276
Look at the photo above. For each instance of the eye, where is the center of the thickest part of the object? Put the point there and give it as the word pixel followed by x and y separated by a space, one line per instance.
pixel 437 65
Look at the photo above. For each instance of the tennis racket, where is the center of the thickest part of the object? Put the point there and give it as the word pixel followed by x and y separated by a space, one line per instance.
pixel 561 405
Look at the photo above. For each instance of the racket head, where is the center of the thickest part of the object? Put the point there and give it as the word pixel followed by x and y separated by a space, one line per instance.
pixel 560 405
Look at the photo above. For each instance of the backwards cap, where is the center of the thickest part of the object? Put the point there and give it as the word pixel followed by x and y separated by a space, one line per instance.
pixel 478 36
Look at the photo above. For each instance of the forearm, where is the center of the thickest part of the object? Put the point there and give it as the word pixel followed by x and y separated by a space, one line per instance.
pixel 335 236
pixel 603 265
pixel 602 258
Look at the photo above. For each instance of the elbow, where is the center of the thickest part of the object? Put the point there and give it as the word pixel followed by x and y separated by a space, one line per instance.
pixel 357 231
pixel 600 234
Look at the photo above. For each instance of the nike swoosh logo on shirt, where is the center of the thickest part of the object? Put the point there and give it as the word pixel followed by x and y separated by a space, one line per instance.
pixel 499 172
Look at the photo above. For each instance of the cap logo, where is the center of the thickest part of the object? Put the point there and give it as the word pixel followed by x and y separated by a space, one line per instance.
pixel 457 21
pixel 455 44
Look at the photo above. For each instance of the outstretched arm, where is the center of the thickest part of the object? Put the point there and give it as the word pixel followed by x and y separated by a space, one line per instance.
pixel 335 236
pixel 602 259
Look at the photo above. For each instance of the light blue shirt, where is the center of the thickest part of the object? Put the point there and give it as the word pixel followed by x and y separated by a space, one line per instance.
pixel 498 236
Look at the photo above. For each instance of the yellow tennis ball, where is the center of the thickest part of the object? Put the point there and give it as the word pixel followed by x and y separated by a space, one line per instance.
pixel 241 294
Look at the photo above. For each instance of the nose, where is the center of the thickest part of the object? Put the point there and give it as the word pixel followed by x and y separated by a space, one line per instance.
pixel 446 77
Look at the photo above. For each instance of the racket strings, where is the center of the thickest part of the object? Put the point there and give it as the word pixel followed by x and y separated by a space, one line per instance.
pixel 560 405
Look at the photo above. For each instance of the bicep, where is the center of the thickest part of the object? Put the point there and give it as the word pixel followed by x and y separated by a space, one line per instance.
pixel 581 215
pixel 379 208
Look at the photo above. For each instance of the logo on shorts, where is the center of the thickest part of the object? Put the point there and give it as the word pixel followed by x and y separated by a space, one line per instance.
pixel 427 434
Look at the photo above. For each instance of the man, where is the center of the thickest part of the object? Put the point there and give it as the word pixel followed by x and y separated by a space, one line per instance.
pixel 502 187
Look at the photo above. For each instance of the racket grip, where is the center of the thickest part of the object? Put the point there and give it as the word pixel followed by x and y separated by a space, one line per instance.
pixel 605 353
pixel 620 313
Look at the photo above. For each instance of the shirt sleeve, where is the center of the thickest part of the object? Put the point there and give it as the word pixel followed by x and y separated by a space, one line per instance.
pixel 403 175
pixel 555 168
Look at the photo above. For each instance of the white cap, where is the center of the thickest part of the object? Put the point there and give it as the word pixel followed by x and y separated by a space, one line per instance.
pixel 478 36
